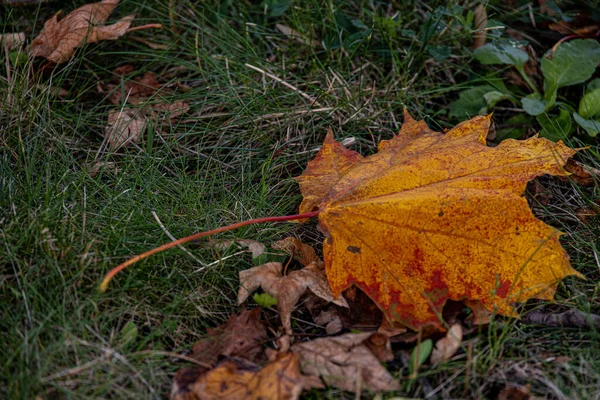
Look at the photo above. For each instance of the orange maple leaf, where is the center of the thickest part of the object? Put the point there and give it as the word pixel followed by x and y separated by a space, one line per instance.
pixel 433 217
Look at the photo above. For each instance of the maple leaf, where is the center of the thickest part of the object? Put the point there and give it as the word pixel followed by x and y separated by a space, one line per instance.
pixel 433 217
pixel 286 289
pixel 350 362
pixel 237 379
pixel 58 39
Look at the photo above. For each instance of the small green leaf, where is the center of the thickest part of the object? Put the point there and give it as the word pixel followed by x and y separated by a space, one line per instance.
pixel 493 98
pixel 419 355
pixel 572 63
pixel 128 334
pixel 470 102
pixel 277 8
pixel 264 300
pixel 501 53
pixel 589 106
pixel 593 85
pixel 556 128
pixel 591 126
pixel 439 52
pixel 533 105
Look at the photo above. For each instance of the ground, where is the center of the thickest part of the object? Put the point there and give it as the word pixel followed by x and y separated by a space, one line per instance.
pixel 260 103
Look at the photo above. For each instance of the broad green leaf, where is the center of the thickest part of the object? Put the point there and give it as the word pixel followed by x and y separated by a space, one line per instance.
pixel 589 106
pixel 572 63
pixel 533 105
pixel 264 300
pixel 591 126
pixel 493 98
pixel 439 52
pixel 554 127
pixel 593 85
pixel 501 53
pixel 470 103
pixel 420 354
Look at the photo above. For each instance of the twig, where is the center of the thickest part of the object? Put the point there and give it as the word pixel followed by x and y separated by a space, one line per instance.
pixel 186 251
pixel 572 318
pixel 284 83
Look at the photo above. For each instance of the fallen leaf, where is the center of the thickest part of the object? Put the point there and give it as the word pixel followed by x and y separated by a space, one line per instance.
pixel 286 289
pixel 237 379
pixel 511 392
pixel 297 36
pixel 256 248
pixel 304 253
pixel 583 175
pixel 10 41
pixel 123 127
pixel 347 361
pixel 243 335
pixel 434 217
pixel 447 346
pixel 58 39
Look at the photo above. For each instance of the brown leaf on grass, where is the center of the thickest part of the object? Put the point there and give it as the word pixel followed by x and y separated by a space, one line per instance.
pixel 124 126
pixel 286 289
pixel 297 36
pixel 302 252
pixel 10 41
pixel 583 175
pixel 511 392
pixel 256 248
pixel 237 379
pixel 58 39
pixel 243 335
pixel 447 346
pixel 434 217
pixel 571 318
pixel 351 362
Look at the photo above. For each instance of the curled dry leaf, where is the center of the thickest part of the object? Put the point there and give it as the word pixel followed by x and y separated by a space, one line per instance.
pixel 286 289
pixel 350 362
pixel 255 247
pixel 434 217
pixel 10 41
pixel 236 379
pixel 124 126
pixel 302 252
pixel 243 335
pixel 447 346
pixel 583 175
pixel 58 39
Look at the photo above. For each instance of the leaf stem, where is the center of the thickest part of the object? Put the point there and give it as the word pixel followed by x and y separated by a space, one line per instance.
pixel 108 277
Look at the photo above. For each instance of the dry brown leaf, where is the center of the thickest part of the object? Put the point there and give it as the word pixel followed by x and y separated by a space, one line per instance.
pixel 104 166
pixel 447 346
pixel 255 247
pixel 297 36
pixel 583 175
pixel 236 379
pixel 511 392
pixel 10 41
pixel 243 335
pixel 302 252
pixel 58 39
pixel 286 289
pixel 348 361
pixel 123 127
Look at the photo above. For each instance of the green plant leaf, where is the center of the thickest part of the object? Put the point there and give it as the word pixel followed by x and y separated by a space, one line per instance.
pixel 554 127
pixel 128 334
pixel 470 102
pixel 264 300
pixel 494 97
pixel 591 126
pixel 420 354
pixel 439 52
pixel 572 63
pixel 593 85
pixel 533 105
pixel 501 53
pixel 589 106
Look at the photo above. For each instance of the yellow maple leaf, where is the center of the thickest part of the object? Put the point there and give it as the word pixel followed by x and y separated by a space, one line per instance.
pixel 433 217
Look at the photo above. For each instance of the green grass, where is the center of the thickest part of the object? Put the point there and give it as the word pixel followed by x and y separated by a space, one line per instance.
pixel 232 157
